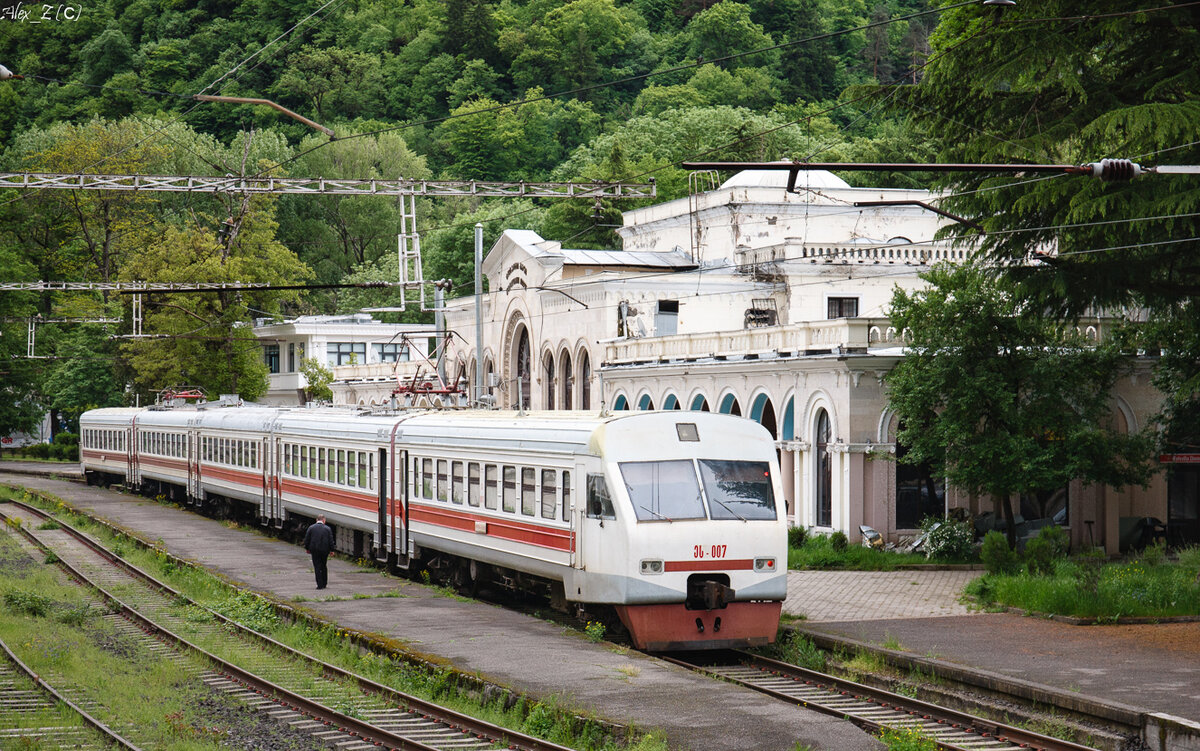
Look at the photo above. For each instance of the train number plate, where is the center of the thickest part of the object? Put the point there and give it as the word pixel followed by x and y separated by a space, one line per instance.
pixel 711 551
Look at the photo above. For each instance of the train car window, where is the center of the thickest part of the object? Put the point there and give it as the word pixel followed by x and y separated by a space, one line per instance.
pixel 738 490
pixel 254 455
pixel 341 466
pixel 362 469
pixel 427 478
pixel 509 495
pixel 566 496
pixel 458 488
pixel 491 486
pixel 473 483
pixel 320 475
pixel 663 491
pixel 241 453
pixel 549 493
pixel 443 480
pixel 528 491
pixel 370 471
pixel 599 501
pixel 331 466
pixel 304 461
pixel 351 473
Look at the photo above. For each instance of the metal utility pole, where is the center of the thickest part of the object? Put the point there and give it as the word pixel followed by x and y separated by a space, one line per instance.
pixel 478 311
pixel 439 324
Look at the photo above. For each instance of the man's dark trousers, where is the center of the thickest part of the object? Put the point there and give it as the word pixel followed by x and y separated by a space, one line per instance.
pixel 320 568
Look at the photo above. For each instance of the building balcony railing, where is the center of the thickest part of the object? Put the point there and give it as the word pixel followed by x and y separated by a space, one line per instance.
pixel 836 336
pixel 379 371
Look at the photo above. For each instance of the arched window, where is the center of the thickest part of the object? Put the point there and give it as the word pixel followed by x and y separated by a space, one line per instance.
pixel 730 406
pixel 789 426
pixel 671 402
pixel 699 404
pixel 567 376
pixel 585 381
pixel 524 372
pixel 763 412
pixel 620 404
pixel 645 403
pixel 824 494
pixel 548 378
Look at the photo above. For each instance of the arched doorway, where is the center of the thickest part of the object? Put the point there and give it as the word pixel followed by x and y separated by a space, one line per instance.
pixel 567 376
pixel 548 379
pixel 523 361
pixel 585 381
pixel 823 516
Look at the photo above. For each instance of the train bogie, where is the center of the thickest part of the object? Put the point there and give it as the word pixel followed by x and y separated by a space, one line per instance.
pixel 670 519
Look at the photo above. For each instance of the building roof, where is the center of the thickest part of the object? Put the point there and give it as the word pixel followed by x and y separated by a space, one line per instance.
pixel 672 259
pixel 779 179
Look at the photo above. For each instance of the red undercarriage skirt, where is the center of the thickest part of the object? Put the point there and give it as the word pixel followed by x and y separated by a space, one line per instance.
pixel 660 628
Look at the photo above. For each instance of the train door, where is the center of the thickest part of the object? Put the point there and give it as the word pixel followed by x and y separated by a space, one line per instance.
pixel 193 462
pixel 398 511
pixel 595 518
pixel 272 490
pixel 133 473
pixel 383 520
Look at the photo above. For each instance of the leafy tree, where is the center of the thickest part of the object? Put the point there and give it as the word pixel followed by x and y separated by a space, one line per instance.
pixel 1041 84
pixel 21 404
pixel 1001 400
pixel 86 378
pixel 726 29
pixel 337 83
pixel 202 339
pixel 470 30
pixel 318 377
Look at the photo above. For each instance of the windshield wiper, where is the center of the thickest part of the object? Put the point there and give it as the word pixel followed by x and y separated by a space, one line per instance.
pixel 718 500
pixel 652 511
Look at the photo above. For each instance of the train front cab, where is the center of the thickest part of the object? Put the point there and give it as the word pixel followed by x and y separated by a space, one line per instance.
pixel 681 530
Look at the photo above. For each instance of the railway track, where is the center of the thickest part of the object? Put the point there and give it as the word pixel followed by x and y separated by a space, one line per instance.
pixel 337 707
pixel 35 714
pixel 870 708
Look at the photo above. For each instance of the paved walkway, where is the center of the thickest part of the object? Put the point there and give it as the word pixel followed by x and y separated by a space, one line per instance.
pixel 822 596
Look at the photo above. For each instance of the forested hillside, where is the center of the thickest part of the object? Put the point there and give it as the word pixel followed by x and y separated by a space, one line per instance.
pixel 452 89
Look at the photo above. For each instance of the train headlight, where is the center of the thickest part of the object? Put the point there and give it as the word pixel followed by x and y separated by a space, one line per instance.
pixel 764 565
pixel 652 566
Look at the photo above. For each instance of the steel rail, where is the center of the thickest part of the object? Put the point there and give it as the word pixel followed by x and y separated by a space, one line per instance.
pixel 49 690
pixel 350 725
pixel 880 709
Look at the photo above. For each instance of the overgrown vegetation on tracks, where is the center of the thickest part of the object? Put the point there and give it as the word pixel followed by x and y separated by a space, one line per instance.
pixel 548 720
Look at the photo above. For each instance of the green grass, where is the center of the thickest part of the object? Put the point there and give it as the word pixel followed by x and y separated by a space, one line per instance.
pixel 563 725
pixel 818 552
pixel 1142 587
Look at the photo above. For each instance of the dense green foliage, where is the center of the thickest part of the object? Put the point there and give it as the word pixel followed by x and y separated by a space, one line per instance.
pixel 464 89
pixel 1002 400
pixel 1044 84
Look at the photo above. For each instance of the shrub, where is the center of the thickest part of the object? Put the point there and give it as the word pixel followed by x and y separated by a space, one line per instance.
pixel 997 556
pixel 797 537
pixel 66 439
pixel 839 541
pixel 947 538
pixel 1044 551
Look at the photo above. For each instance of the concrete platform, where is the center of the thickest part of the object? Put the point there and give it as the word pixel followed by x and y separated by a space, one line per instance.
pixel 527 654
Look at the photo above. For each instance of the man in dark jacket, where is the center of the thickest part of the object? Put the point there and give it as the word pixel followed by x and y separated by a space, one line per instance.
pixel 318 541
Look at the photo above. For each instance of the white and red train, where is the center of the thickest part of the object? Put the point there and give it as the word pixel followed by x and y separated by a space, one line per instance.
pixel 671 518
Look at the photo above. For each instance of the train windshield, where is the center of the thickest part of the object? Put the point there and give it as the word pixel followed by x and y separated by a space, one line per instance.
pixel 663 491
pixel 738 490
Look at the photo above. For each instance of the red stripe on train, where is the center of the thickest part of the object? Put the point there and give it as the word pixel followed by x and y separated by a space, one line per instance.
pixel 713 565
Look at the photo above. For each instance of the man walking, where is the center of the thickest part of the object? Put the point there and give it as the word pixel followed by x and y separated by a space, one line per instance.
pixel 318 541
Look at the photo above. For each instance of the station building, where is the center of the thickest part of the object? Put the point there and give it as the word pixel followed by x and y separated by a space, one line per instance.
pixel 358 348
pixel 753 300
